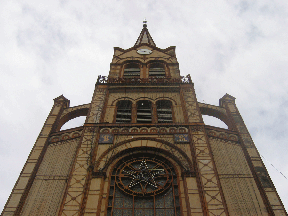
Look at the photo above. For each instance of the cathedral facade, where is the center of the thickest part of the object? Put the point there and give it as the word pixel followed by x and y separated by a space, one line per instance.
pixel 144 149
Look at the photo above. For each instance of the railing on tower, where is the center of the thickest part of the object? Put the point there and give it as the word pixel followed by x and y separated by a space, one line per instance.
pixel 150 80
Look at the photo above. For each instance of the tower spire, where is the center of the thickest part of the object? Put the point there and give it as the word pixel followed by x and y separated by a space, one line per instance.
pixel 145 37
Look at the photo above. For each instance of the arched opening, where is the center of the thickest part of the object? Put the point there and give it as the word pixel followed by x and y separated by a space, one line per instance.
pixel 156 70
pixel 164 111
pixel 75 122
pixel 144 111
pixel 131 70
pixel 213 121
pixel 220 120
pixel 143 184
pixel 123 111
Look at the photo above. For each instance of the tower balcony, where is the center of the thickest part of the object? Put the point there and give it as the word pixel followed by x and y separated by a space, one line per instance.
pixel 150 80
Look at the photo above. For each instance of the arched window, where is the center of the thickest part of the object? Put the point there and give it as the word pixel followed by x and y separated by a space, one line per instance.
pixel 143 184
pixel 156 70
pixel 164 111
pixel 131 70
pixel 144 112
pixel 123 111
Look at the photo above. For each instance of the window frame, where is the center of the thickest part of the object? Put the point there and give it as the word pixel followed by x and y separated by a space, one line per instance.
pixel 126 66
pixel 117 108
pixel 172 111
pixel 157 63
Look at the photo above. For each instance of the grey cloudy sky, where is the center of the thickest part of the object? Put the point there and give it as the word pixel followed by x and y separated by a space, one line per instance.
pixel 49 48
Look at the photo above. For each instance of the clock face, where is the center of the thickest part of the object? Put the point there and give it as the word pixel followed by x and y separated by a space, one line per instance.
pixel 144 176
pixel 144 51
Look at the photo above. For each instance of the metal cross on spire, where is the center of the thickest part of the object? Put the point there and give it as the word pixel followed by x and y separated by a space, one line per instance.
pixel 145 23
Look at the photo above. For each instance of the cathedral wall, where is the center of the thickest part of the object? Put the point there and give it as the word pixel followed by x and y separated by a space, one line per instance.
pixel 47 190
pixel 240 190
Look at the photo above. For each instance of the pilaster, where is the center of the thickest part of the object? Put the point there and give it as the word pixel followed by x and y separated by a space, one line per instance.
pixel 213 202
pixel 76 193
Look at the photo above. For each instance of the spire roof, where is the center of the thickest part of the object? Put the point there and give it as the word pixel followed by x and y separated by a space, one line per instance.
pixel 145 37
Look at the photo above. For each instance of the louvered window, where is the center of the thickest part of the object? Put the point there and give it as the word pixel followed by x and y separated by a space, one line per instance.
pixel 156 70
pixel 123 111
pixel 144 114
pixel 131 71
pixel 164 111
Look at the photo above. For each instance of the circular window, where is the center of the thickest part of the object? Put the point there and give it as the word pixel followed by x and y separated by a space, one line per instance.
pixel 144 175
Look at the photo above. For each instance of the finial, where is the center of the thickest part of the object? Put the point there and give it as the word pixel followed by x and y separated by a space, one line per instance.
pixel 145 23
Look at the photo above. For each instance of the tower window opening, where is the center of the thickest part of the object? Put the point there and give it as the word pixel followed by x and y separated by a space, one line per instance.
pixel 164 111
pixel 156 70
pixel 144 112
pixel 131 71
pixel 123 111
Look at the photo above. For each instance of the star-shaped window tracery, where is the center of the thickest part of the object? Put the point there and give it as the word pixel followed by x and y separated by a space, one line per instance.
pixel 144 176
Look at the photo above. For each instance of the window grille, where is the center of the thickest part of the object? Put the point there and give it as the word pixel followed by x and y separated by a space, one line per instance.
pixel 144 112
pixel 123 111
pixel 156 70
pixel 131 71
pixel 164 111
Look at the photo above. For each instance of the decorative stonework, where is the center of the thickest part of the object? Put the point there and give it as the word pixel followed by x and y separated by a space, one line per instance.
pixel 65 136
pixel 191 105
pixel 143 130
pixel 223 135
pixel 97 105
pixel 208 174
pixel 196 129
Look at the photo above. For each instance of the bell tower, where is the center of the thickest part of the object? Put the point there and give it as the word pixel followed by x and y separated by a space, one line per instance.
pixel 144 149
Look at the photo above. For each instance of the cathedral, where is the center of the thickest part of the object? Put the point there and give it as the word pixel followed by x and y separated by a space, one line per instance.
pixel 144 150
